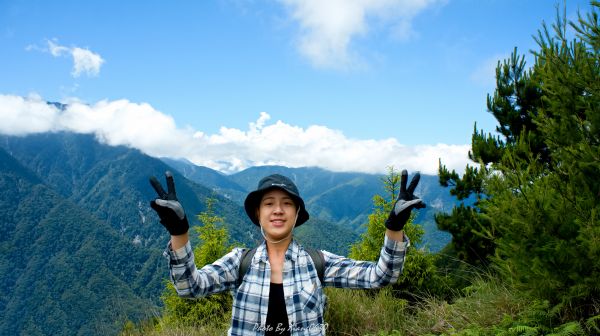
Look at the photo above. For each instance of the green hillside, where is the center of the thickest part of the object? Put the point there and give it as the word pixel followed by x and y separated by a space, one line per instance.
pixel 62 270
pixel 66 198
pixel 77 226
pixel 112 183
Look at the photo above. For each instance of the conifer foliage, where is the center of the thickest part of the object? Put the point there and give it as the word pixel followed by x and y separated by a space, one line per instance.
pixel 548 213
pixel 514 104
pixel 537 185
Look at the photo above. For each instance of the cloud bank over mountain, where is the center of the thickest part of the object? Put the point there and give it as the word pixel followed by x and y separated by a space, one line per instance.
pixel 139 125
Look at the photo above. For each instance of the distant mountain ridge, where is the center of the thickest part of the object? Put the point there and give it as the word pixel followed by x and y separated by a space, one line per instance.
pixel 70 204
pixel 80 245
pixel 108 180
pixel 342 198
pixel 213 179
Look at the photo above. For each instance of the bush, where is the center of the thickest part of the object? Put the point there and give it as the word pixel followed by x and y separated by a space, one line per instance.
pixel 420 275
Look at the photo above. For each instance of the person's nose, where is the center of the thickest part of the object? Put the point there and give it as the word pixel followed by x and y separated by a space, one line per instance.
pixel 278 210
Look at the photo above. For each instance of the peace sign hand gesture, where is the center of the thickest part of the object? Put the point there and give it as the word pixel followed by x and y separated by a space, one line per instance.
pixel 169 210
pixel 405 203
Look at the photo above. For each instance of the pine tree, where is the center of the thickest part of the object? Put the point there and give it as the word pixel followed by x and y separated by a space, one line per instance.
pixel 420 274
pixel 514 104
pixel 547 210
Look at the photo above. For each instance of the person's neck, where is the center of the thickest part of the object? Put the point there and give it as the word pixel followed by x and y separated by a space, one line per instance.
pixel 278 249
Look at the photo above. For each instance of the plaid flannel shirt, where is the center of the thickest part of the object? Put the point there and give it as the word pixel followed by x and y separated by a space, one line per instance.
pixel 303 291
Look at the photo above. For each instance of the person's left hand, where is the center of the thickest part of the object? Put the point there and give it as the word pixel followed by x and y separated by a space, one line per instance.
pixel 406 201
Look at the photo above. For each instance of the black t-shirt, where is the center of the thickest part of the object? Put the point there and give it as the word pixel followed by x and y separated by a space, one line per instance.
pixel 277 319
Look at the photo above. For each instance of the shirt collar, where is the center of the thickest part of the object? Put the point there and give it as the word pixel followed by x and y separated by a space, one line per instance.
pixel 291 254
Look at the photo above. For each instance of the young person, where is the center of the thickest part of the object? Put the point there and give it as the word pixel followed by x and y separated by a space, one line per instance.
pixel 281 293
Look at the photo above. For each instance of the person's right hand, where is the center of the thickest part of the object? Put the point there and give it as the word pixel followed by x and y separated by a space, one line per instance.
pixel 405 203
pixel 168 208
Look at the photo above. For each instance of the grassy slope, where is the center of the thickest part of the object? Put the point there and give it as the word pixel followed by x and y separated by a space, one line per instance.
pixel 486 307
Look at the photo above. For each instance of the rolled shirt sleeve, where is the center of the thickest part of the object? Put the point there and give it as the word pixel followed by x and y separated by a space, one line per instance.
pixel 348 273
pixel 213 278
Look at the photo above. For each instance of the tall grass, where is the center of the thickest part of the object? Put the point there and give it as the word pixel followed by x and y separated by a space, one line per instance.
pixel 484 305
pixel 487 307
pixel 358 312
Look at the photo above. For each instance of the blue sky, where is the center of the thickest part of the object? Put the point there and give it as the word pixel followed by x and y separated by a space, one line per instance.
pixel 343 84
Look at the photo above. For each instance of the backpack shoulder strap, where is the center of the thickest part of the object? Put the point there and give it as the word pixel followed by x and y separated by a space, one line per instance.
pixel 318 260
pixel 246 259
pixel 247 255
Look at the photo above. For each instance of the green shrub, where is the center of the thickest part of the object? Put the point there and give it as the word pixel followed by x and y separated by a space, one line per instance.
pixel 420 275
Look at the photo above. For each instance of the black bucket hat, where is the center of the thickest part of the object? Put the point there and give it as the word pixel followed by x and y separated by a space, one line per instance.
pixel 271 182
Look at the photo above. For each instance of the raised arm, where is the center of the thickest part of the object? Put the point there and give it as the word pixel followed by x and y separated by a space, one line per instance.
pixel 188 280
pixel 345 272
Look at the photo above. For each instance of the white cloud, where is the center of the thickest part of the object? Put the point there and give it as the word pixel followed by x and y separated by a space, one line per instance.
pixel 327 28
pixel 84 61
pixel 122 122
pixel 26 115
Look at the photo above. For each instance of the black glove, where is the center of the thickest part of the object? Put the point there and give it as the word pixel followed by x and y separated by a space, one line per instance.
pixel 168 208
pixel 405 203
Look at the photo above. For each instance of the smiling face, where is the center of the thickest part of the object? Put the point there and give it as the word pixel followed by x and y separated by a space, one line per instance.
pixel 277 214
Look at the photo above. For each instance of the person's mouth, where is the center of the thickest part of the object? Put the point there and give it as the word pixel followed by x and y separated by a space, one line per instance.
pixel 278 222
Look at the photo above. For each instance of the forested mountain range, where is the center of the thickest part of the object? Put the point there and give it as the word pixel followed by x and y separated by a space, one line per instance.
pixel 342 198
pixel 63 271
pixel 81 249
